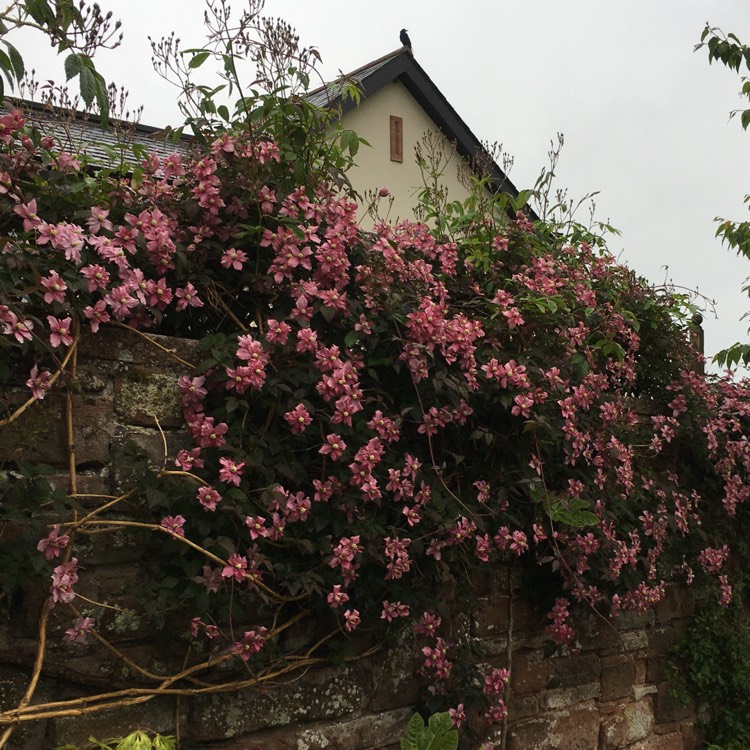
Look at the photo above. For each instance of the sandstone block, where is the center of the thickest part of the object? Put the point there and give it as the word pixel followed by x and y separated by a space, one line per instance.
pixel 530 672
pixel 618 676
pixel 574 669
pixel 670 741
pixel 576 728
pixel 678 602
pixel 634 722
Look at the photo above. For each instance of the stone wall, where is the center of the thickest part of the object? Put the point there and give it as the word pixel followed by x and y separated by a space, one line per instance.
pixel 612 694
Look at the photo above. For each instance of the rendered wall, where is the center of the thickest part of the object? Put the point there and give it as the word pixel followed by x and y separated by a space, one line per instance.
pixel 375 170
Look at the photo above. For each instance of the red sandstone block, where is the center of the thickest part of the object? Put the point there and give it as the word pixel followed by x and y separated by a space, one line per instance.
pixel 576 728
pixel 618 677
pixel 671 741
pixel 678 602
pixel 529 673
pixel 40 434
pixel 491 617
pixel 574 669
pixel 633 723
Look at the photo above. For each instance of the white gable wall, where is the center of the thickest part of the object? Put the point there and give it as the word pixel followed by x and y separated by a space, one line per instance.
pixel 374 168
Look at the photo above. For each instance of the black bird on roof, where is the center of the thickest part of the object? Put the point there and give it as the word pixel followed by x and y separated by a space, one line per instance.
pixel 404 37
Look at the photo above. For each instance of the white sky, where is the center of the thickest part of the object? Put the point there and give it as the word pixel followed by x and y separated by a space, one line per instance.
pixel 645 118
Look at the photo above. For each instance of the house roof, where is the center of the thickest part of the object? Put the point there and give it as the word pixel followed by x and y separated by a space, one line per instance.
pixel 401 66
pixel 81 132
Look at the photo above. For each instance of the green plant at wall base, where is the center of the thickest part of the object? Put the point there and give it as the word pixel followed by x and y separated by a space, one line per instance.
pixel 438 734
pixel 711 666
pixel 138 740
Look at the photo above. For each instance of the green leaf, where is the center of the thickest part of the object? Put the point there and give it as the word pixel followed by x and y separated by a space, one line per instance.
pixel 164 742
pixel 102 98
pixel 745 119
pixel 6 67
pixel 40 11
pixel 16 61
pixel 439 734
pixel 223 112
pixel 87 82
pixel 73 65
pixel 445 736
pixel 229 67
pixel 414 729
pixel 199 59
pixel 572 512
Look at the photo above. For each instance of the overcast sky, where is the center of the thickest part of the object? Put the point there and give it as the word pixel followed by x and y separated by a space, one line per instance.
pixel 645 119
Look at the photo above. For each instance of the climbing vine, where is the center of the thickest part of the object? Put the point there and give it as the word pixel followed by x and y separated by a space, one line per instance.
pixel 373 416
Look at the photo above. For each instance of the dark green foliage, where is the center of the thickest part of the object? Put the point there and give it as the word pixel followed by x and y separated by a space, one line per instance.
pixel 711 665
pixel 439 733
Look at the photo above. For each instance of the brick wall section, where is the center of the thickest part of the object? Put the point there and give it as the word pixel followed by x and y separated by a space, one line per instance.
pixel 612 694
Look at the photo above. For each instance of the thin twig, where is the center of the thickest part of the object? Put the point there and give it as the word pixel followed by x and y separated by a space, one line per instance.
pixel 21 409
pixel 508 655
pixel 134 696
pixel 155 343
pixel 29 694
pixel 163 442
pixel 183 540
pixel 73 483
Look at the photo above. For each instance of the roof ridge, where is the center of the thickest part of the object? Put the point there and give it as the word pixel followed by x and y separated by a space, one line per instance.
pixel 328 86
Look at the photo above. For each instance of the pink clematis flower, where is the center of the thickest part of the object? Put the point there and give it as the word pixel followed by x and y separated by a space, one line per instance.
pixel 337 596
pixel 231 472
pixel 79 631
pixel 39 382
pixel 298 418
pixel 64 577
pixel 59 331
pixel 55 287
pixel 53 543
pixel 334 446
pixel 235 568
pixel 352 620
pixel 188 297
pixel 20 329
pixel 28 212
pixel 173 524
pixel 97 314
pixel 233 258
pixel 209 498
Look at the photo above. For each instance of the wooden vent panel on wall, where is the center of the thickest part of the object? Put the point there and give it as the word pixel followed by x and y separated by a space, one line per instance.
pixel 397 138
